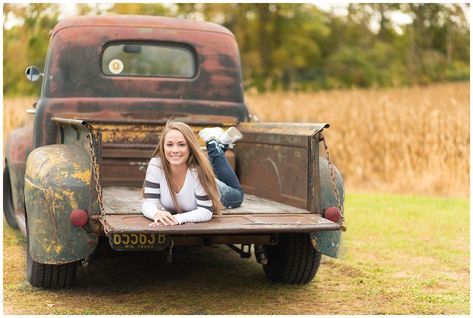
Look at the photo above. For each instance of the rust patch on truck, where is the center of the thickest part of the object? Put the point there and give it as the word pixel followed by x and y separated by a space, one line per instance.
pixel 83 175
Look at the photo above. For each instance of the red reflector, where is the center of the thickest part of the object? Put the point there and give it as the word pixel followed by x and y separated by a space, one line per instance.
pixel 79 217
pixel 332 214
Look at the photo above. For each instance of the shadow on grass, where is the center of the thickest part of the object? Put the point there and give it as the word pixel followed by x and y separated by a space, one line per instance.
pixel 202 268
pixel 200 280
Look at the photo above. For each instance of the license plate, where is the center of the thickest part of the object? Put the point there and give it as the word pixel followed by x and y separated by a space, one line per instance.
pixel 139 241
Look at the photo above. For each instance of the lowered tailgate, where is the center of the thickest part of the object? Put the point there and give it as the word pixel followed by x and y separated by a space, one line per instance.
pixel 256 215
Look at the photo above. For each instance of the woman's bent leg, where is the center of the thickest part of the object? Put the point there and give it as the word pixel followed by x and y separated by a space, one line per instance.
pixel 221 166
pixel 230 197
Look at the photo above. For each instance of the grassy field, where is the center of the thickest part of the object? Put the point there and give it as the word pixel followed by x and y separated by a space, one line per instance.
pixel 402 140
pixel 401 254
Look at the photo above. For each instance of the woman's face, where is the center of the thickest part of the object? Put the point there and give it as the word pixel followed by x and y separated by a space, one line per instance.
pixel 176 149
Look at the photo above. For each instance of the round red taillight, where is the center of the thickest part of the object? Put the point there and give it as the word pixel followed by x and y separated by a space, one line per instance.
pixel 79 217
pixel 332 214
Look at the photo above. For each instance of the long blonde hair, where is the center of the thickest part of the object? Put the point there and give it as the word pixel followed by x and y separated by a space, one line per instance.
pixel 196 160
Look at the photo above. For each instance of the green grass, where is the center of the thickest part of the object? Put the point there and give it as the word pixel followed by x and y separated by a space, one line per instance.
pixel 400 255
pixel 414 250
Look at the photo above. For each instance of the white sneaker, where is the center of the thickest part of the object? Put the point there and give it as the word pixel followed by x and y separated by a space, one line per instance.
pixel 211 133
pixel 230 136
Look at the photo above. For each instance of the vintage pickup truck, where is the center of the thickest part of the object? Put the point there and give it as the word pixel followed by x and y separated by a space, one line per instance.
pixel 110 84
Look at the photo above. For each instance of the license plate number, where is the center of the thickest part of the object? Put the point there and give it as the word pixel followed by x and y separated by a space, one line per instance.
pixel 139 241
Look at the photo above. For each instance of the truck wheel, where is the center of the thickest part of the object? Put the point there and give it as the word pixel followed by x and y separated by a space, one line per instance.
pixel 46 275
pixel 292 261
pixel 8 210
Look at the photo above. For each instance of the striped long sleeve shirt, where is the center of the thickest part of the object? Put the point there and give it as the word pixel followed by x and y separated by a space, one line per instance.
pixel 192 198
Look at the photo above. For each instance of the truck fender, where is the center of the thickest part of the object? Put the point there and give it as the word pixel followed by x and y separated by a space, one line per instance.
pixel 57 181
pixel 328 242
pixel 18 145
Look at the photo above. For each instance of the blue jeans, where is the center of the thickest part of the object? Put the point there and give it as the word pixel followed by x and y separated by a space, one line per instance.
pixel 231 193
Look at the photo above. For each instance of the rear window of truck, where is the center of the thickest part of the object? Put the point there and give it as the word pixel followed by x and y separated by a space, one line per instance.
pixel 148 59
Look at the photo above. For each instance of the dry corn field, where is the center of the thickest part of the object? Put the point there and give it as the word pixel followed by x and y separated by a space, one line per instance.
pixel 404 140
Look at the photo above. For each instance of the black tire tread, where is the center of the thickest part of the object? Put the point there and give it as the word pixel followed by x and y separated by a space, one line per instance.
pixel 48 275
pixel 293 260
pixel 52 276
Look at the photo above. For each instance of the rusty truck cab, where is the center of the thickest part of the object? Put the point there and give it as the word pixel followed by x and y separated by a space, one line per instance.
pixel 131 104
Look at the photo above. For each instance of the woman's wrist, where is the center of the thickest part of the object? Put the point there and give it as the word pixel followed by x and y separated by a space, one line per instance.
pixel 177 218
pixel 164 217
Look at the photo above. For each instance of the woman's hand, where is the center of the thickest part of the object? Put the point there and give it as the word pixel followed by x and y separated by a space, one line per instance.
pixel 163 218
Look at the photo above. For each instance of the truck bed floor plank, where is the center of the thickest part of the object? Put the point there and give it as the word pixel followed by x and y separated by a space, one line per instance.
pixel 123 200
pixel 256 215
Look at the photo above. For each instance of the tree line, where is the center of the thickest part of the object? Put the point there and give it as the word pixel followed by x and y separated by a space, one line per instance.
pixel 286 46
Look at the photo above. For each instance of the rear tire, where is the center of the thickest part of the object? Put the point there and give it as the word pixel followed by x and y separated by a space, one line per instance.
pixel 292 261
pixel 8 210
pixel 47 275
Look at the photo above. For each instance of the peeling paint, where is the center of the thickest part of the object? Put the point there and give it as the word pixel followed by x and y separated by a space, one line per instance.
pixel 58 249
pixel 83 175
pixel 68 195
pixel 57 182
pixel 28 181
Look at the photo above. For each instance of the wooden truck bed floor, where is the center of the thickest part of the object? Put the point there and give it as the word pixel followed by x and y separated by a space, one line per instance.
pixel 256 215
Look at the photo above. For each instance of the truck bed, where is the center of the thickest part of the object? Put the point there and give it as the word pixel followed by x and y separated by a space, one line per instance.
pixel 256 215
